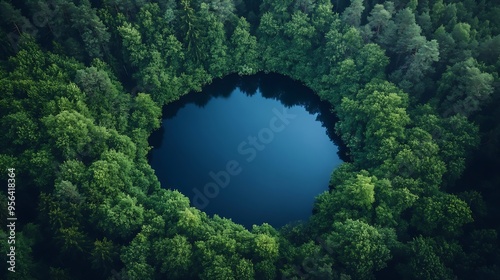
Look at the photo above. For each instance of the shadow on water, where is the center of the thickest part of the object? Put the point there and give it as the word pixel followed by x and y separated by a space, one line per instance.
pixel 273 86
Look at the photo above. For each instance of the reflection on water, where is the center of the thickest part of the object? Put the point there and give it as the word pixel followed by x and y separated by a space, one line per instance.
pixel 254 149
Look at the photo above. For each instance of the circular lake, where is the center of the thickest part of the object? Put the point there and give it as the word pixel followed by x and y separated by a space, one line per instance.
pixel 256 149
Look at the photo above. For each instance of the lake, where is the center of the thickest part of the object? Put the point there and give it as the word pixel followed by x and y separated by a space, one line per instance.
pixel 255 149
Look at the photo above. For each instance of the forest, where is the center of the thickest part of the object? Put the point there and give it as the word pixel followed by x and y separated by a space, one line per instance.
pixel 414 83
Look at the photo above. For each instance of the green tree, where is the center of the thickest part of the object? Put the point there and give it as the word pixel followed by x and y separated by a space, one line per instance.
pixel 103 254
pixel 107 104
pixel 218 268
pixel 21 129
pixel 446 44
pixel 190 30
pixel 358 247
pixel 424 263
pixel 67 192
pixel 371 62
pixel 174 256
pixel 442 214
pixel 352 14
pixel 92 30
pixel 121 217
pixel 145 113
pixel 464 88
pixel 243 49
pixel 109 176
pixel 266 247
pixel 244 270
pixel 72 240
pixel 215 44
pixel 353 198
pixel 406 36
pixel 223 9
pixel 69 132
pixel 380 17
pixel 371 118
pixel 417 67
pixel 135 257
pixel 132 41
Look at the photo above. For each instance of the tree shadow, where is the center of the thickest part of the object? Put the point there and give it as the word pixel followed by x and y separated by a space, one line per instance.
pixel 275 86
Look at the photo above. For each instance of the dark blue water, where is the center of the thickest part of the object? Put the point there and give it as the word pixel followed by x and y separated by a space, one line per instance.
pixel 254 150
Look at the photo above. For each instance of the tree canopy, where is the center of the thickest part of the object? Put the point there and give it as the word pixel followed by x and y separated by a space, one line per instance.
pixel 414 84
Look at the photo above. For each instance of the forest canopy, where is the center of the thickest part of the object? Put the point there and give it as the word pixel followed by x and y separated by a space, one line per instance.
pixel 414 84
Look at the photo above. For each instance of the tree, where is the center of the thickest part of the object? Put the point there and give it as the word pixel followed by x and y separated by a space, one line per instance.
pixel 132 41
pixel 93 32
pixel 21 129
pixel 369 120
pixel 417 67
pixel 446 43
pixel 266 247
pixel 190 30
pixel 457 140
pixel 67 192
pixel 121 217
pixel 265 270
pixel 174 256
pixel 371 62
pixel 352 14
pixel 244 270
pixel 424 263
pixel 322 18
pixel 72 240
pixel 69 132
pixel 464 88
pixel 215 44
pixel 300 31
pixel 223 9
pixel 135 256
pixel 442 214
pixel 244 49
pixel 110 176
pixel 107 104
pixel 358 247
pixel 335 47
pixel 218 268
pixel 380 17
pixel 145 113
pixel 353 198
pixel 406 36
pixel 103 254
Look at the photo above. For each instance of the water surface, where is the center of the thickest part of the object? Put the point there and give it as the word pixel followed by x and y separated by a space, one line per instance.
pixel 254 149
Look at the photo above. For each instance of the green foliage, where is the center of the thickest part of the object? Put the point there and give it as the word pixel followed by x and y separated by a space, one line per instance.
pixel 443 214
pixel 69 131
pixel 145 114
pixel 464 88
pixel 83 84
pixel 103 254
pixel 424 262
pixel 243 48
pixel 190 29
pixel 358 247
pixel 120 217
pixel 368 120
pixel 174 256
pixel 352 14
pixel 353 198
pixel 266 246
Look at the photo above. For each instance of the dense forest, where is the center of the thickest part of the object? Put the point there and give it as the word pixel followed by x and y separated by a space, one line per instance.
pixel 414 84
